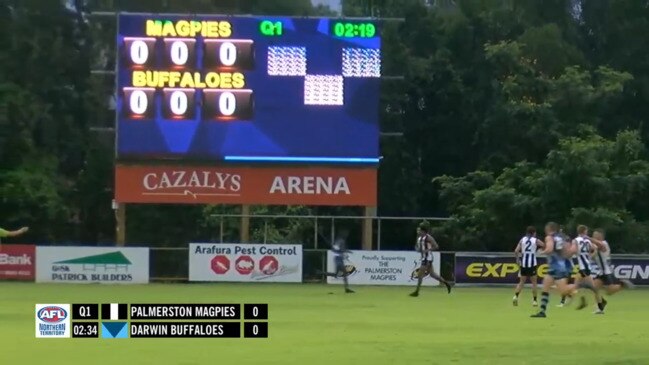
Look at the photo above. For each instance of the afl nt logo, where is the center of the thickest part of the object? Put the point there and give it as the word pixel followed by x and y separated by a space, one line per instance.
pixel 52 320
pixel 52 314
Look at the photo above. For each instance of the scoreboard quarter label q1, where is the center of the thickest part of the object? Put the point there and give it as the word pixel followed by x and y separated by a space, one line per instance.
pixel 247 89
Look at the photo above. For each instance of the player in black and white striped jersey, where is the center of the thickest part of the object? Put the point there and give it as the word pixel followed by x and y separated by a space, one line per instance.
pixel 526 258
pixel 603 271
pixel 426 244
pixel 584 250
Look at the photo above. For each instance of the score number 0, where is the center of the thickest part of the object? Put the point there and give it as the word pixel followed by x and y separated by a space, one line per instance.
pixel 178 103
pixel 138 102
pixel 217 104
pixel 227 104
pixel 181 52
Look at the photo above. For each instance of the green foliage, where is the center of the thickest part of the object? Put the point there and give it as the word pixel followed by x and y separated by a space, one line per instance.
pixel 586 180
pixel 33 195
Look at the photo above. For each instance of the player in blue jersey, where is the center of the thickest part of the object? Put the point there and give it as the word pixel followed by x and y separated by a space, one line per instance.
pixel 558 249
pixel 339 250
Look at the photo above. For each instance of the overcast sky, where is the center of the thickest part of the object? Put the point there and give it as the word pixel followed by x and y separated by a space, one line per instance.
pixel 333 4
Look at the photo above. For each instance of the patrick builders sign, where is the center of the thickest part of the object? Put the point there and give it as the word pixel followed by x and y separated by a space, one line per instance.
pixel 246 185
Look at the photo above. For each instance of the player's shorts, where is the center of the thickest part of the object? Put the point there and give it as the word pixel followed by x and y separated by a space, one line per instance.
pixel 528 271
pixel 425 262
pixel 569 264
pixel 585 273
pixel 607 279
pixel 558 270
pixel 340 265
pixel 559 274
pixel 339 262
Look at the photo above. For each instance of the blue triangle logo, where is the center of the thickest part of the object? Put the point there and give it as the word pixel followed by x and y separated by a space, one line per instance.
pixel 114 330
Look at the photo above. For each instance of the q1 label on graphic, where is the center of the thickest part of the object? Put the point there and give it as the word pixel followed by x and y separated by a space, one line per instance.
pixel 52 320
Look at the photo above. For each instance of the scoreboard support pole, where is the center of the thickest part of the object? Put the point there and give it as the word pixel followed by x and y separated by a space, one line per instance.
pixel 120 224
pixel 370 213
pixel 245 223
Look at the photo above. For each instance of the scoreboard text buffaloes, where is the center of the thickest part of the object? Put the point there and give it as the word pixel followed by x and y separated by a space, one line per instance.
pixel 259 89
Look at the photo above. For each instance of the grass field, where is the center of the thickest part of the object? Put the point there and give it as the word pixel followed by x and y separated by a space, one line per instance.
pixel 308 325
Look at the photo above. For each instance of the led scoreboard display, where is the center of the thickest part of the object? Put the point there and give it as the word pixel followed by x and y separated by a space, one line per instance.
pixel 247 89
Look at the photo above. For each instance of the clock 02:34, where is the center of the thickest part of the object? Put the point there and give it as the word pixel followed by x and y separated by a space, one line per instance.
pixel 85 329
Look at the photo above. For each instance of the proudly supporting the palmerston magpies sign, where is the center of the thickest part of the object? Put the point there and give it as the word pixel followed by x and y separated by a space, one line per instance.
pixel 112 265
pixel 501 268
pixel 381 268
pixel 245 262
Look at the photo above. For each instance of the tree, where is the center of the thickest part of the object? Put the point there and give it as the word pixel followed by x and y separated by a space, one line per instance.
pixel 585 180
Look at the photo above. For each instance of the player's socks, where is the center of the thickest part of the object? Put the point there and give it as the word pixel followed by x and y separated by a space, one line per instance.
pixel 568 300
pixel 582 303
pixel 448 286
pixel 545 298
pixel 604 303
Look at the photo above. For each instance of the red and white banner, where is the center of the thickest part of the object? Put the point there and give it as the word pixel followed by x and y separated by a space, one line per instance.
pixel 246 185
pixel 245 262
pixel 18 262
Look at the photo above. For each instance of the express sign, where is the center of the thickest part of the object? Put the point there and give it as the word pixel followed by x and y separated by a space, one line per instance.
pixel 487 268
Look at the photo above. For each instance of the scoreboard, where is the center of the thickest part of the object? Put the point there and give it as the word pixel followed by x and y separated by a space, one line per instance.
pixel 256 89
pixel 115 320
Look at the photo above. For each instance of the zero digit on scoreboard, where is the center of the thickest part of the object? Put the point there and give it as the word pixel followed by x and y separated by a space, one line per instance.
pixel 138 52
pixel 227 104
pixel 178 103
pixel 180 52
pixel 229 54
pixel 138 102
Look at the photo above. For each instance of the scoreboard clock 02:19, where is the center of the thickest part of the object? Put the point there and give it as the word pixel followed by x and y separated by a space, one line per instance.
pixel 353 30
